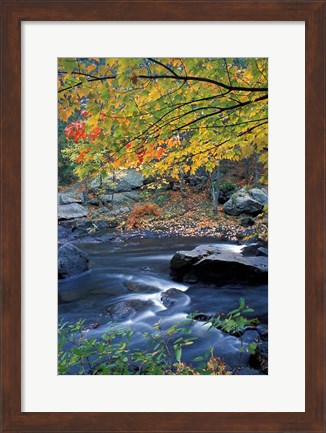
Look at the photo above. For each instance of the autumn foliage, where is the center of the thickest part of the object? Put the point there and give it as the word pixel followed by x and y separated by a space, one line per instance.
pixel 77 131
pixel 134 220
pixel 165 117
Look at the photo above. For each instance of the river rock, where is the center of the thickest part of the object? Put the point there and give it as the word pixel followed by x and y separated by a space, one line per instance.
pixel 71 224
pixel 71 261
pixel 66 198
pixel 173 296
pixel 65 234
pixel 263 331
pixel 250 336
pixel 71 211
pixel 126 310
pixel 262 251
pixel 209 263
pixel 184 259
pixel 256 249
pixel 246 201
pixel 138 287
pixel 190 278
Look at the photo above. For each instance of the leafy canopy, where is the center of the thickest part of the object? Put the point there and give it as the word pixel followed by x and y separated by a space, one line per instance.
pixel 162 116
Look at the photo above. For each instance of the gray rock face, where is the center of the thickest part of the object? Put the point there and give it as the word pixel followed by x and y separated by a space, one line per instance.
pixel 121 197
pixel 71 261
pixel 184 259
pixel 211 264
pixel 125 310
pixel 118 211
pixel 255 250
pixel 126 197
pixel 65 198
pixel 124 181
pixel 262 252
pixel 71 211
pixel 249 202
pixel 260 195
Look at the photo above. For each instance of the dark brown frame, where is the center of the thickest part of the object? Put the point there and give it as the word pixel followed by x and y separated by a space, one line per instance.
pixel 15 11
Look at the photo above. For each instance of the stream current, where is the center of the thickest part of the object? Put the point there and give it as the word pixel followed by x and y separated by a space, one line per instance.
pixel 139 269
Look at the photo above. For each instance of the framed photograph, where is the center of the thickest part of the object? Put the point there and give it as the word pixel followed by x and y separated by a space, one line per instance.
pixel 162 216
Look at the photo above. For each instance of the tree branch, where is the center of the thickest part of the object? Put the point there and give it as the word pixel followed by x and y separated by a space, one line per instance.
pixel 164 66
pixel 205 80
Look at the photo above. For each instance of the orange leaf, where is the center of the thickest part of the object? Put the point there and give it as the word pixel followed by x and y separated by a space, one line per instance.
pixel 91 68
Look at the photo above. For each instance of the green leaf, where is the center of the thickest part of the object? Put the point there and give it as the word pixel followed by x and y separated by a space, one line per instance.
pixel 252 348
pixel 177 353
pixel 198 358
pixel 248 310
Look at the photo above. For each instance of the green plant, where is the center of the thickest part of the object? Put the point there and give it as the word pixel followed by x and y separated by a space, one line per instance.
pixel 113 354
pixel 80 355
pixel 227 186
pixel 235 323
pixel 162 199
pixel 168 345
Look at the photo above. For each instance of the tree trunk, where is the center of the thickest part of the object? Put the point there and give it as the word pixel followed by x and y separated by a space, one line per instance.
pixel 215 188
pixel 113 180
pixel 256 170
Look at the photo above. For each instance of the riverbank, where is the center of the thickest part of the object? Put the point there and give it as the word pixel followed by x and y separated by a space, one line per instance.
pixel 165 213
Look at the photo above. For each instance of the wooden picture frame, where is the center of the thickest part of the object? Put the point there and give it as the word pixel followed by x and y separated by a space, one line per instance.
pixel 16 11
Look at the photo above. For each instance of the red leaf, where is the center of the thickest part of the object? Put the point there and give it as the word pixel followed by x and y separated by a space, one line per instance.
pixel 96 132
pixel 76 131
pixel 160 152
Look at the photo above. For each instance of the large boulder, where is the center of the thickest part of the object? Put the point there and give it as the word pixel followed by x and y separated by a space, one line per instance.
pixel 246 201
pixel 66 198
pixel 121 197
pixel 71 211
pixel 256 249
pixel 184 259
pixel 211 264
pixel 126 180
pixel 71 261
pixel 260 195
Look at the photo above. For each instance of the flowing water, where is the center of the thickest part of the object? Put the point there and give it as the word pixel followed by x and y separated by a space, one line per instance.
pixel 139 269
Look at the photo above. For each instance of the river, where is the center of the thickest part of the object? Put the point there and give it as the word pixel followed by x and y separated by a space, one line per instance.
pixel 139 269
